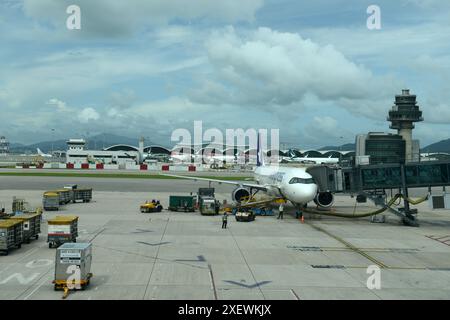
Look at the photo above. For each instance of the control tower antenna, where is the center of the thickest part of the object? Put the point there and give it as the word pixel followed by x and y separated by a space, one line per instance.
pixel 402 116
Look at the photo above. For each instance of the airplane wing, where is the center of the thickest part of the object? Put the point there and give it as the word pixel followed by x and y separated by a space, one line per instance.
pixel 236 183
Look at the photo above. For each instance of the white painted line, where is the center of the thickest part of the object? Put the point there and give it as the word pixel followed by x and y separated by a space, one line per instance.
pixel 46 278
pixel 17 262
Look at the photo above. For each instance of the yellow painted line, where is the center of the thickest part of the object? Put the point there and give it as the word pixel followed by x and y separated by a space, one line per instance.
pixel 350 246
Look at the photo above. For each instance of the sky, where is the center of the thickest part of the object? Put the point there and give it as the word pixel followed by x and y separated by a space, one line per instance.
pixel 310 68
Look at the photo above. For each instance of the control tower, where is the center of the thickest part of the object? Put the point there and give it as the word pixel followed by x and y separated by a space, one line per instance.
pixel 402 116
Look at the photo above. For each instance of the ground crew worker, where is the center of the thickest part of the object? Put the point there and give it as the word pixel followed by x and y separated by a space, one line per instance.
pixel 216 206
pixel 280 211
pixel 224 220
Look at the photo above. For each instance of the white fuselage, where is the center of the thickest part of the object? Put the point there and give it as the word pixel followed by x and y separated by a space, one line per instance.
pixel 45 155
pixel 314 160
pixel 180 158
pixel 220 158
pixel 293 184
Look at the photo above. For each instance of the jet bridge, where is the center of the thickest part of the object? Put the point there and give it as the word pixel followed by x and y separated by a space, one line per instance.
pixel 372 181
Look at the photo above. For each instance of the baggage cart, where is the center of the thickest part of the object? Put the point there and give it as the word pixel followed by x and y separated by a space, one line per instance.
pixel 182 203
pixel 62 229
pixel 64 196
pixel 50 201
pixel 11 235
pixel 70 187
pixel 73 267
pixel 31 225
pixel 84 194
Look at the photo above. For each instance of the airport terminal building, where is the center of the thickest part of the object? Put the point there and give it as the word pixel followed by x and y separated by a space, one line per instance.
pixel 116 154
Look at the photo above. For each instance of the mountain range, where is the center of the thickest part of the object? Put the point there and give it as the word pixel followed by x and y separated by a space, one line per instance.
pixel 441 146
pixel 104 140
pixel 95 142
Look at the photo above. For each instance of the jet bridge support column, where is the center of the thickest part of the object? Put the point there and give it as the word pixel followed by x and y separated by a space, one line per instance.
pixel 409 219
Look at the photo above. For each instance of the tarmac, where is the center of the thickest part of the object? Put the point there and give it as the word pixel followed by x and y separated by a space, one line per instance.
pixel 177 255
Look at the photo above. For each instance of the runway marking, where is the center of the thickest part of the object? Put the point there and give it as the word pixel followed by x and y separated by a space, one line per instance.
pixel 156 257
pixel 153 244
pixel 439 239
pixel 20 278
pixel 304 248
pixel 199 259
pixel 295 294
pixel 320 266
pixel 251 286
pixel 211 276
pixel 20 259
pixel 142 231
pixel 40 285
pixel 350 246
pixel 97 234
pixel 149 257
pixel 246 262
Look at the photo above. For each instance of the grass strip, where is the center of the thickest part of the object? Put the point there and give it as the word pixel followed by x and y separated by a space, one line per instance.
pixel 115 175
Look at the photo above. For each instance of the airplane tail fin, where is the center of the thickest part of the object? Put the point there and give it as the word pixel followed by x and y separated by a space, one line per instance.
pixel 39 151
pixel 259 154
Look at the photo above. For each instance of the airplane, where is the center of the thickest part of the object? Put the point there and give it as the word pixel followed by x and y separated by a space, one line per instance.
pixel 308 160
pixel 293 184
pixel 220 158
pixel 208 159
pixel 180 157
pixel 156 157
pixel 45 155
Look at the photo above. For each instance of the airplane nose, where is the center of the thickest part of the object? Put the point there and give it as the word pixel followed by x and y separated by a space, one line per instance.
pixel 310 193
pixel 301 193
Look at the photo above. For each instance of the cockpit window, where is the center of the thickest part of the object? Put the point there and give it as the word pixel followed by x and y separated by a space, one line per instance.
pixel 301 180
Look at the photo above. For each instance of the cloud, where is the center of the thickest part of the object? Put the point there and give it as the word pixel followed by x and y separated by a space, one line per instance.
pixel 88 114
pixel 147 67
pixel 325 130
pixel 60 105
pixel 123 99
pixel 264 68
pixel 112 18
pixel 75 72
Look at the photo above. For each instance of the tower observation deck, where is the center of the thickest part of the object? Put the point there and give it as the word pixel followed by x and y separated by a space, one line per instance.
pixel 402 116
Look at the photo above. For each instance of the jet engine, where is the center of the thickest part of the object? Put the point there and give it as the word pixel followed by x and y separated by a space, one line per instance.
pixel 324 199
pixel 240 193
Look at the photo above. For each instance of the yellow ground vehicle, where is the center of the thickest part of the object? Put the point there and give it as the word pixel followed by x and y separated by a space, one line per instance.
pixel 151 206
